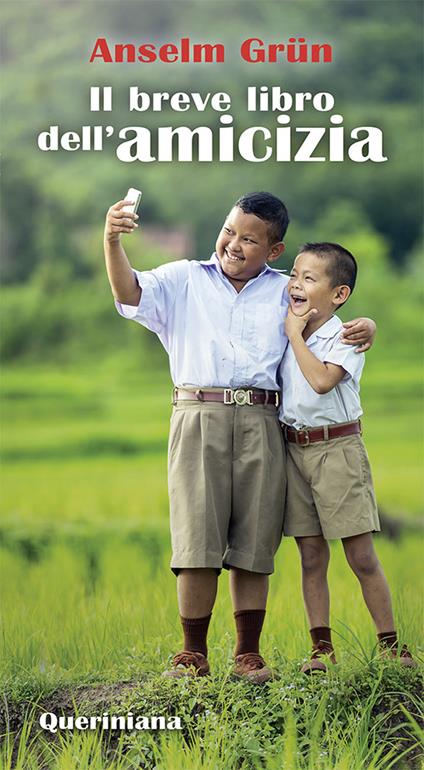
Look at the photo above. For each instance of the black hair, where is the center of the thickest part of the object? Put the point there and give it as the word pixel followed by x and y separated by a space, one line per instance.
pixel 269 208
pixel 341 265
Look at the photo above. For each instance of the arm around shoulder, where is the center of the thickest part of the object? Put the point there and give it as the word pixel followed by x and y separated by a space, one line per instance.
pixel 359 332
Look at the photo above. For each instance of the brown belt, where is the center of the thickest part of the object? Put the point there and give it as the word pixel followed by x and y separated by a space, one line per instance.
pixel 239 396
pixel 323 433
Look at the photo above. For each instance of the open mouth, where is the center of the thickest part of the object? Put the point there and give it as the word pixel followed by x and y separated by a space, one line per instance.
pixel 233 257
pixel 297 300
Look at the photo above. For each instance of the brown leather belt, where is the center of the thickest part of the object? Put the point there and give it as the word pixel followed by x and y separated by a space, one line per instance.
pixel 323 433
pixel 238 396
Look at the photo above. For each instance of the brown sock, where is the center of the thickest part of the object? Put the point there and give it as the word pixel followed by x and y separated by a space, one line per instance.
pixel 249 626
pixel 195 633
pixel 321 634
pixel 388 639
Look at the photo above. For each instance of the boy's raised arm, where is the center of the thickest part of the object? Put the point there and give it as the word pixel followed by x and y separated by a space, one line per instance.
pixel 120 273
pixel 322 376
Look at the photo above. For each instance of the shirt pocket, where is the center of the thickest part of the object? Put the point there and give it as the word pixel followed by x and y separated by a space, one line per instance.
pixel 269 330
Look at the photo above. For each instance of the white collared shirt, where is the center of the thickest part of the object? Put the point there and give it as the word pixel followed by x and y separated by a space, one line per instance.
pixel 301 405
pixel 215 337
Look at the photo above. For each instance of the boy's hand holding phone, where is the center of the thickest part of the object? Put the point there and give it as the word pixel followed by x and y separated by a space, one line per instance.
pixel 122 216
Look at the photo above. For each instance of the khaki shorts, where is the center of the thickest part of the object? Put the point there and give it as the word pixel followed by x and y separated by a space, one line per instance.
pixel 330 490
pixel 227 485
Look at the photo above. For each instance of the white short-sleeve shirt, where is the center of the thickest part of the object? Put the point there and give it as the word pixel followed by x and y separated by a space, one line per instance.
pixel 301 406
pixel 215 337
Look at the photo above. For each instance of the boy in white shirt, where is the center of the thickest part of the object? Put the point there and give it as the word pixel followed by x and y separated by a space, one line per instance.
pixel 329 487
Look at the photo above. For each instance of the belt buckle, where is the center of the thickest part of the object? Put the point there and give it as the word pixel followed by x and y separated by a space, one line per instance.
pixel 174 396
pixel 242 397
pixel 228 396
pixel 305 433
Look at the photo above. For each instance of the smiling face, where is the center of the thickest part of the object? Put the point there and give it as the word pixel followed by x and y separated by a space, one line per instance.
pixel 243 246
pixel 310 286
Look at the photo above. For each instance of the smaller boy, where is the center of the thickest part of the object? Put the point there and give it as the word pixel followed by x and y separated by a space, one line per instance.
pixel 330 493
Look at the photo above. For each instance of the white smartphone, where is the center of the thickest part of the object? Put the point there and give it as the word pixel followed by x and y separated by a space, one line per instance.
pixel 134 196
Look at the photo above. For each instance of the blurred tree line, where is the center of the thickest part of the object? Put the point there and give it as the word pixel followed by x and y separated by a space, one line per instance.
pixel 53 204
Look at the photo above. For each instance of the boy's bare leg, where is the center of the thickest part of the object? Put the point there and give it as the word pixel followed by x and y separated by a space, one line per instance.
pixel 196 589
pixel 249 590
pixel 363 560
pixel 315 555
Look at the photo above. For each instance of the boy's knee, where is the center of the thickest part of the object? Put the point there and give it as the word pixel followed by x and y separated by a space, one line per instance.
pixel 363 563
pixel 314 556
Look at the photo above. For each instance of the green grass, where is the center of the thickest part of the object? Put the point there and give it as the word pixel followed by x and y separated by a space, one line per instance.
pixel 308 727
pixel 88 597
pixel 100 604
pixel 101 610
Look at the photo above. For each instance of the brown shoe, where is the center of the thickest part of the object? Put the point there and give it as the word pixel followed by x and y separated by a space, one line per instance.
pixel 252 667
pixel 187 663
pixel 403 656
pixel 320 652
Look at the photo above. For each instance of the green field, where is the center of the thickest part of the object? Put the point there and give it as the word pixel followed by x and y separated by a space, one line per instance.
pixel 88 599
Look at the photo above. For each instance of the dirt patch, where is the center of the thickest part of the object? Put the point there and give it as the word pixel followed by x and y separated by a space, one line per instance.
pixel 66 701
pixel 91 696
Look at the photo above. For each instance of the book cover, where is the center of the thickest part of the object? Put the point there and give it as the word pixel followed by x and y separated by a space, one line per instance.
pixel 194 104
